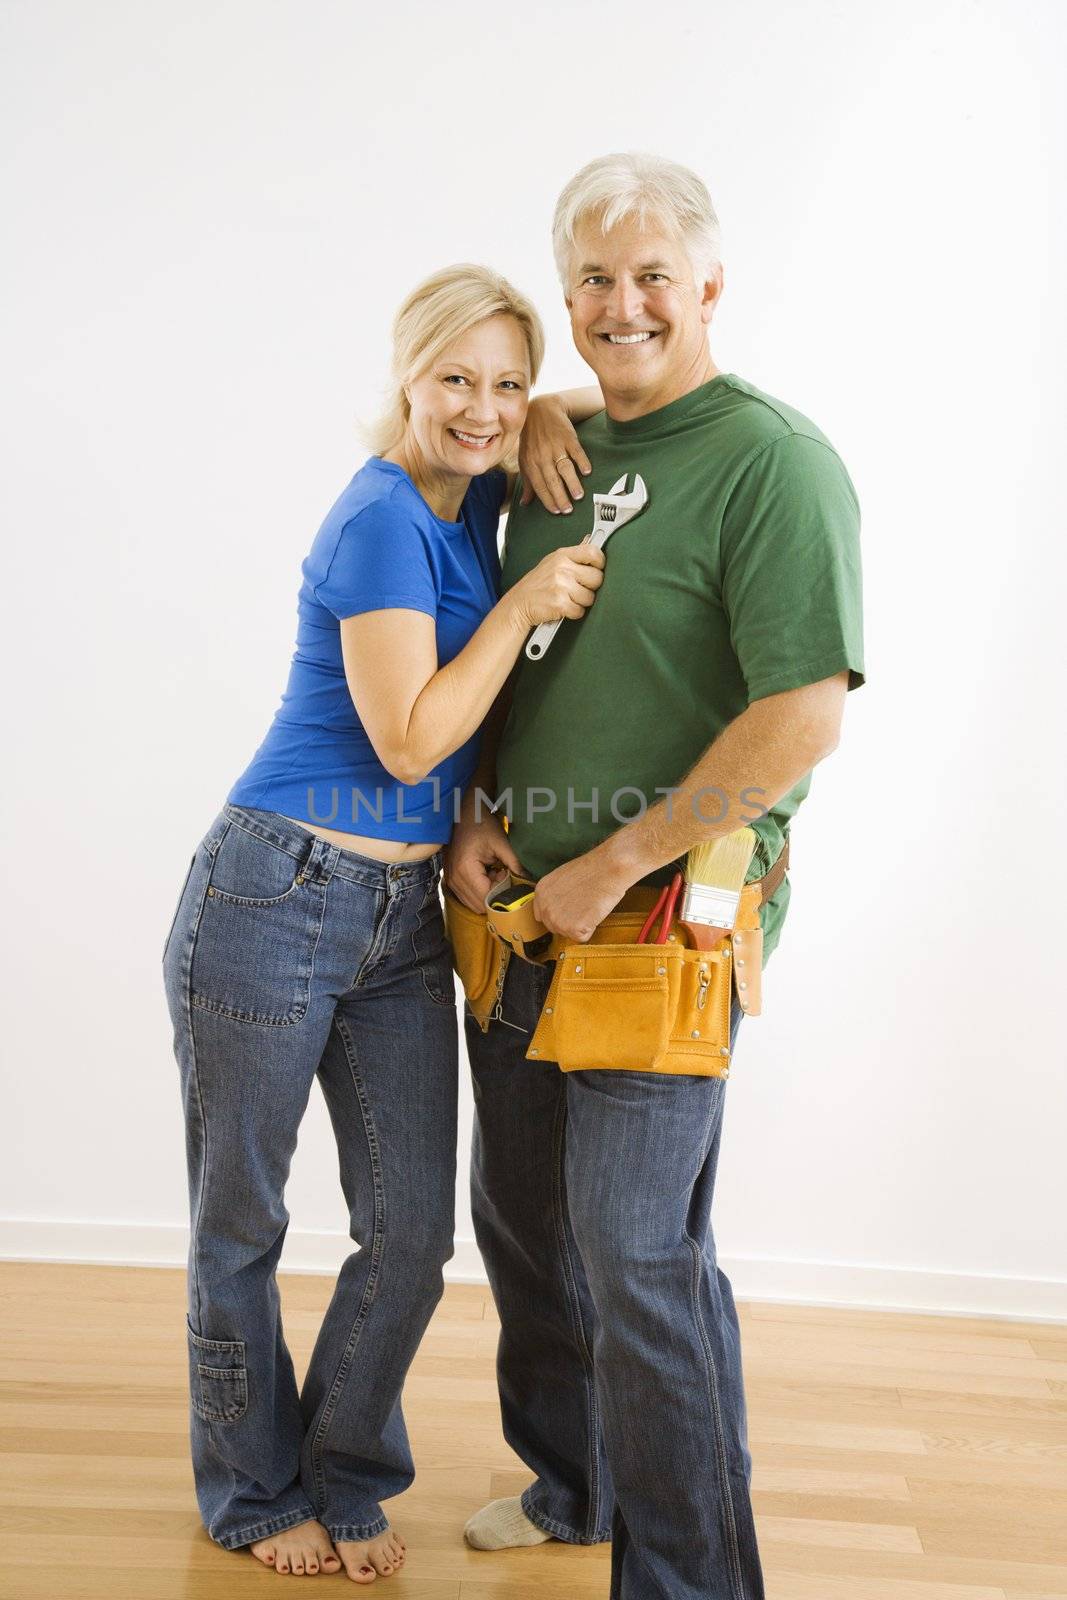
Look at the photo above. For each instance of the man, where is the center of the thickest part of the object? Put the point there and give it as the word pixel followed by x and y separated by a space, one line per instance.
pixel 714 661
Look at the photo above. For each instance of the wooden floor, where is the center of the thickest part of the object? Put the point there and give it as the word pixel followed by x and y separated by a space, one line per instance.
pixel 895 1457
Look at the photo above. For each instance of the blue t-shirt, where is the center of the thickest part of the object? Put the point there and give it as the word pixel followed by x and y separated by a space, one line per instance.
pixel 380 546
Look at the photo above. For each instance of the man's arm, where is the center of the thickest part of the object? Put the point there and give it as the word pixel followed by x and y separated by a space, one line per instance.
pixel 757 759
pixel 479 850
pixel 484 779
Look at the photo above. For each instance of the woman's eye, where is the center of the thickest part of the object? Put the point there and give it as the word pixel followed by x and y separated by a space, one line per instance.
pixel 454 377
pixel 509 383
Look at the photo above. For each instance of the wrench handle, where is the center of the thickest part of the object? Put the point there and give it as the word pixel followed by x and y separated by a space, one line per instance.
pixel 545 632
pixel 541 638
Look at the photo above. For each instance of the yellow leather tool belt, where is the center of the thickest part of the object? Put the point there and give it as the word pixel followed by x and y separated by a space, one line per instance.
pixel 621 1006
pixel 480 960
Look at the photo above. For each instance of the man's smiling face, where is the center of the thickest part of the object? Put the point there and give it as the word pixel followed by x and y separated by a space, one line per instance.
pixel 638 316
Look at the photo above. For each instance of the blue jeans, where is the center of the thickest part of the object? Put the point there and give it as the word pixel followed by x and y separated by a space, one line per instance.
pixel 290 958
pixel 619 1364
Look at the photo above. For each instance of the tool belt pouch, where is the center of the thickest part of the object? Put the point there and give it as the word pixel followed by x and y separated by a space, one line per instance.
pixel 748 964
pixel 519 929
pixel 480 961
pixel 621 1006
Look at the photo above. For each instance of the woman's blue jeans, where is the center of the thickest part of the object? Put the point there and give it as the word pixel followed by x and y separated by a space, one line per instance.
pixel 619 1364
pixel 290 958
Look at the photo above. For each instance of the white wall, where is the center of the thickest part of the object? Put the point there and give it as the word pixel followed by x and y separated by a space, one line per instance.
pixel 216 209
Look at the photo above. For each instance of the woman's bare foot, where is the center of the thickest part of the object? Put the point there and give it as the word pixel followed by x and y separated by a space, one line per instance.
pixel 366 1560
pixel 304 1550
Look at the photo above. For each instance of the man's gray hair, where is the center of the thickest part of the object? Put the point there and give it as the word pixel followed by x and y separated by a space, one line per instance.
pixel 648 189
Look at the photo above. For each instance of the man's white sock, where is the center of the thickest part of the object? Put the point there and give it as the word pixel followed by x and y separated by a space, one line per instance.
pixel 502 1525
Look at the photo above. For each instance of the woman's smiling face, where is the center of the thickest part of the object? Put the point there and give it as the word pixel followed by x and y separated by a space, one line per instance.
pixel 468 408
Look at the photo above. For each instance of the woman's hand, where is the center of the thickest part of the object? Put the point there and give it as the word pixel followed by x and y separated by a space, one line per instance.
pixel 563 584
pixel 551 456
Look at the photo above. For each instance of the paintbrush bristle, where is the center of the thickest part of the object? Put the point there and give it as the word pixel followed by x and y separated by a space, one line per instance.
pixel 722 863
pixel 714 877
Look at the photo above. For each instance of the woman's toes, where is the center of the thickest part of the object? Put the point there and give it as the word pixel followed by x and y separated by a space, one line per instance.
pixel 382 1553
pixel 303 1550
pixel 320 1553
pixel 356 1564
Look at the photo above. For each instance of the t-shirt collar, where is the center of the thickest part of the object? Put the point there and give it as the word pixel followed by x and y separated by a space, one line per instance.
pixel 665 417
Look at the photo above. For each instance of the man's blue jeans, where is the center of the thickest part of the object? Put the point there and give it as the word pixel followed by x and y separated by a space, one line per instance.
pixel 290 958
pixel 619 1363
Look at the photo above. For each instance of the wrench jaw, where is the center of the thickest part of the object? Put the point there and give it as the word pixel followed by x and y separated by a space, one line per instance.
pixel 617 507
pixel 611 510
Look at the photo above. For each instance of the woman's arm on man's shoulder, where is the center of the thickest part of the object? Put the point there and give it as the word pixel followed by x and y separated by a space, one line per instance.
pixel 551 457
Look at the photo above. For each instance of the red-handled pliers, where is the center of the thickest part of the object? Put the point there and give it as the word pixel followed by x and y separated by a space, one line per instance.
pixel 667 900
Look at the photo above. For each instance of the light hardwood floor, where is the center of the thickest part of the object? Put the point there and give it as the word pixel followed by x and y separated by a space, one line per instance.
pixel 895 1457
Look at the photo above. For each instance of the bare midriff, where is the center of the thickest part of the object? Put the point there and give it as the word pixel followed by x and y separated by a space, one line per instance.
pixel 379 849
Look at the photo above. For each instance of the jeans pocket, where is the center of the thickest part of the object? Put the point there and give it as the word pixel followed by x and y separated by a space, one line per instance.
pixel 257 935
pixel 430 948
pixel 736 1016
pixel 177 908
pixel 218 1377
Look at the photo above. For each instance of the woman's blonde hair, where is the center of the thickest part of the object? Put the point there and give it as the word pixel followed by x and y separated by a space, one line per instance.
pixel 435 314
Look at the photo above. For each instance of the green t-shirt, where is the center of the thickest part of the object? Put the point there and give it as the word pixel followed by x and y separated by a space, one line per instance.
pixel 740 579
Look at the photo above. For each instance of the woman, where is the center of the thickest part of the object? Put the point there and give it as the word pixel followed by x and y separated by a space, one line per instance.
pixel 309 940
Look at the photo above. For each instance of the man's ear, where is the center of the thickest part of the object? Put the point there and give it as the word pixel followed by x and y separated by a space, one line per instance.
pixel 711 295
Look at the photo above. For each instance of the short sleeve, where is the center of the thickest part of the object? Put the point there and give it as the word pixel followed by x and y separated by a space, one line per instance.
pixel 380 561
pixel 488 489
pixel 791 575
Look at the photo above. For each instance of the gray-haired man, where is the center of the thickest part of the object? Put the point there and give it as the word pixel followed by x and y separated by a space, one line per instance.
pixel 716 659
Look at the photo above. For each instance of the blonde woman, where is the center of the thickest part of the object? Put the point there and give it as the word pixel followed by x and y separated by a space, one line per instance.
pixel 308 939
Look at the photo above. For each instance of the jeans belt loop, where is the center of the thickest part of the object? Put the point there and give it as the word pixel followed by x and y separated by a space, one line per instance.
pixel 321 862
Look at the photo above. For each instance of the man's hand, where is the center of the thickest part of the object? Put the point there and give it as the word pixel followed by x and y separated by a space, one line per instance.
pixel 475 858
pixel 576 897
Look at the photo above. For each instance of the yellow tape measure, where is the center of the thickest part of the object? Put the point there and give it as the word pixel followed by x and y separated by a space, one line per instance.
pixel 522 899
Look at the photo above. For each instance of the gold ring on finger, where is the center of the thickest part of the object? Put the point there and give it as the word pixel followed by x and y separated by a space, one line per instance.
pixel 558 459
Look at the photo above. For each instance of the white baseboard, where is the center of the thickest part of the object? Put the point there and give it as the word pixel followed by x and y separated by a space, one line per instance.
pixel 125 1244
pixel 826 1283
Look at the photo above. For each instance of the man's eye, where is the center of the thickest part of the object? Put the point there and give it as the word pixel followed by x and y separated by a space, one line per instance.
pixel 595 279
pixel 660 276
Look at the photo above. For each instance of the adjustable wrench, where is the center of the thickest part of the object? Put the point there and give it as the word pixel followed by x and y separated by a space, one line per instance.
pixel 611 511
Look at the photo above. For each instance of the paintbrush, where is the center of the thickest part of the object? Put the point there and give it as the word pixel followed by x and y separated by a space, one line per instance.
pixel 714 877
